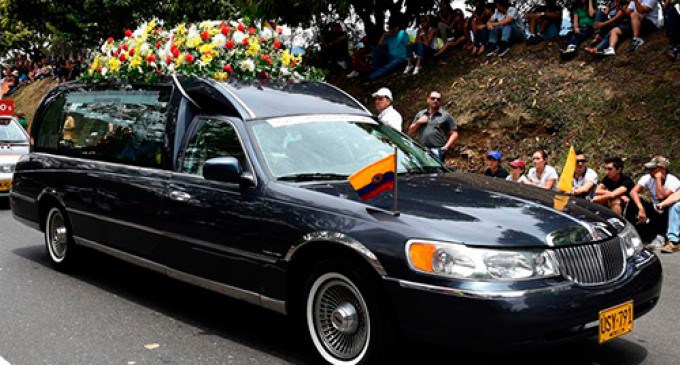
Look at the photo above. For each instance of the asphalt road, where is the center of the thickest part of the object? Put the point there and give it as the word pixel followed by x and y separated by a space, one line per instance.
pixel 109 312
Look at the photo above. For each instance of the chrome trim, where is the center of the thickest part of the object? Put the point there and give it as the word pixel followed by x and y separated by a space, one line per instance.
pixel 23 197
pixel 228 290
pixel 652 257
pixel 238 100
pixel 207 246
pixel 183 92
pixel 139 168
pixel 481 294
pixel 342 239
pixel 321 118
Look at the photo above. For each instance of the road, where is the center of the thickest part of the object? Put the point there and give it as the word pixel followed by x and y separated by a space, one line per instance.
pixel 109 312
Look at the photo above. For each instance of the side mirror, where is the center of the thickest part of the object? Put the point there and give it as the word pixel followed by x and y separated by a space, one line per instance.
pixel 226 169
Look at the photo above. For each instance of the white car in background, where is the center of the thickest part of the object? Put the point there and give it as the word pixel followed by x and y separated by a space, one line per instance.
pixel 14 143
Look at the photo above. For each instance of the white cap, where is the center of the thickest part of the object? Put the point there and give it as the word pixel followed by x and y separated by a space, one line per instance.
pixel 383 92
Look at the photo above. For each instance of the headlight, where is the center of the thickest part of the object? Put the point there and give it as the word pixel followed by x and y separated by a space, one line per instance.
pixel 458 261
pixel 631 240
pixel 6 168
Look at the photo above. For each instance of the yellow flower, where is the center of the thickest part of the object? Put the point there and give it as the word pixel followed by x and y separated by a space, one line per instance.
pixel 114 64
pixel 151 25
pixel 135 61
pixel 180 59
pixel 194 42
pixel 207 48
pixel 181 29
pixel 286 58
pixel 253 48
pixel 95 64
pixel 221 76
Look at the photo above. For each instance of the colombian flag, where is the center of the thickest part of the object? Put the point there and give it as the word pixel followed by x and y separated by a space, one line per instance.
pixel 374 178
pixel 567 176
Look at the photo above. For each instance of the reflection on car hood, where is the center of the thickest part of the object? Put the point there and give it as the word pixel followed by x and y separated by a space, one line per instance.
pixel 478 210
pixel 9 159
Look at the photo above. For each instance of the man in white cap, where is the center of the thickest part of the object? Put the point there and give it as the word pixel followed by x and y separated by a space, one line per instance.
pixel 386 112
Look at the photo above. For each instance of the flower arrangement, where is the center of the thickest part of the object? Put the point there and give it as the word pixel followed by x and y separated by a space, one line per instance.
pixel 217 49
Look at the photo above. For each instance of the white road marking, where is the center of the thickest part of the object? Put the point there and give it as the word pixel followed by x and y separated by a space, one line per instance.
pixel 3 361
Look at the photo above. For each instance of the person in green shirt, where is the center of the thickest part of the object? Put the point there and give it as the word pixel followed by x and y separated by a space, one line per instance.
pixel 583 18
pixel 22 120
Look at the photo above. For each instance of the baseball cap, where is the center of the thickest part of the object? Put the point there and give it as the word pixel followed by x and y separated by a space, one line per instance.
pixel 383 91
pixel 518 163
pixel 495 154
pixel 657 161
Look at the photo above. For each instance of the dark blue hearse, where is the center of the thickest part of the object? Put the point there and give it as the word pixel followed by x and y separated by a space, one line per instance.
pixel 242 189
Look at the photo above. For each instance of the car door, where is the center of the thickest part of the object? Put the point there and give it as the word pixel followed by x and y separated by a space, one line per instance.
pixel 213 226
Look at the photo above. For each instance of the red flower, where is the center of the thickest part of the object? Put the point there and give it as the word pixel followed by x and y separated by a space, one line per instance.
pixel 132 52
pixel 122 57
pixel 150 58
pixel 168 59
pixel 224 29
pixel 241 28
pixel 228 68
pixel 229 44
pixel 292 63
pixel 266 58
pixel 109 40
pixel 128 33
pixel 277 44
pixel 159 44
pixel 175 52
pixel 205 35
pixel 125 47
pixel 252 30
pixel 246 41
pixel 115 53
pixel 189 58
pixel 264 75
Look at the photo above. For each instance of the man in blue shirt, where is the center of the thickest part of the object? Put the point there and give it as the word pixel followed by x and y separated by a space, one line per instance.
pixel 390 54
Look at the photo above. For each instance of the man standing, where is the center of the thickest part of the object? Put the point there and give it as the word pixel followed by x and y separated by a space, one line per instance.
pixel 614 191
pixel 660 185
pixel 386 112
pixel 434 127
pixel 585 179
pixel 493 165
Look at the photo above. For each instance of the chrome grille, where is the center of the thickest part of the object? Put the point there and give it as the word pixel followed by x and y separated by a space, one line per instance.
pixel 592 264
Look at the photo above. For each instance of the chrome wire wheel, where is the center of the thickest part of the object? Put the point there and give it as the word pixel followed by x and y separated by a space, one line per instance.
pixel 338 319
pixel 56 235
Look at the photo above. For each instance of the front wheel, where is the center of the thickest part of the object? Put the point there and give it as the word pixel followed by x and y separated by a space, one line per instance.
pixel 344 317
pixel 58 241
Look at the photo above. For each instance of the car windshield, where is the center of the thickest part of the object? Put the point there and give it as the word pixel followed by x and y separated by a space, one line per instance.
pixel 11 131
pixel 332 147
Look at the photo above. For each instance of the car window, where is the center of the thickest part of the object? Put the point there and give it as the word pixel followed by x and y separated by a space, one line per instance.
pixel 11 131
pixel 211 139
pixel 49 130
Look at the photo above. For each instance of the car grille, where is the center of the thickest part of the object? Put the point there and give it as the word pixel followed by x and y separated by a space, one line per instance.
pixel 592 264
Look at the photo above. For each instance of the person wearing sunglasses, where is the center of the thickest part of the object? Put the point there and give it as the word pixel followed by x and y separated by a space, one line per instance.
pixel 614 190
pixel 434 127
pixel 585 178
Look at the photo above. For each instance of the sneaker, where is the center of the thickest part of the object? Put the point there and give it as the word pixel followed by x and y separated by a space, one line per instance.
pixel 610 51
pixel 342 64
pixel 408 69
pixel 503 51
pixel 492 52
pixel 657 243
pixel 353 74
pixel 635 44
pixel 570 48
pixel 670 247
pixel 416 70
pixel 534 39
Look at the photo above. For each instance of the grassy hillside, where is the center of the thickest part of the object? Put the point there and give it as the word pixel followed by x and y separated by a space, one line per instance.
pixel 626 105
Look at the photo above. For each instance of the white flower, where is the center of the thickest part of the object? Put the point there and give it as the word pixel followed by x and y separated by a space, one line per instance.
pixel 266 33
pixel 219 40
pixel 238 37
pixel 247 65
pixel 285 71
pixel 171 67
pixel 144 48
pixel 104 71
pixel 193 32
pixel 162 54
pixel 286 32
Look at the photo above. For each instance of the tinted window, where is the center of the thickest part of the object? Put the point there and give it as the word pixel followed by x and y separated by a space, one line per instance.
pixel 49 129
pixel 211 139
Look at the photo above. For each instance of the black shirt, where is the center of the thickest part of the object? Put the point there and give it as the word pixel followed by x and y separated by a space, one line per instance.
pixel 501 172
pixel 624 181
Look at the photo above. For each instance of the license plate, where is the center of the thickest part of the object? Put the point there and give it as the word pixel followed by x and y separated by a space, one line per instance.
pixel 616 321
pixel 5 185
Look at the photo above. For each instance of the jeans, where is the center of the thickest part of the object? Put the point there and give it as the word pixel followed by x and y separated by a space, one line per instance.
pixel 438 153
pixel 383 62
pixel 481 37
pixel 508 33
pixel 577 38
pixel 657 225
pixel 672 25
pixel 551 32
pixel 673 232
pixel 420 49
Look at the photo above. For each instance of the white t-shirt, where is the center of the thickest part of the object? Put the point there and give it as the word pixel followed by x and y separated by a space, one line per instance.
pixel 589 176
pixel 511 13
pixel 652 14
pixel 549 173
pixel 522 179
pixel 391 117
pixel 648 182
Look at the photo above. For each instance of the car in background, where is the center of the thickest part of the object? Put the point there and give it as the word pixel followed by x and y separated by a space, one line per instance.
pixel 14 143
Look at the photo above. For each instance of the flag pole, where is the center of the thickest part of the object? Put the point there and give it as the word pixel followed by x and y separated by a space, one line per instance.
pixel 396 179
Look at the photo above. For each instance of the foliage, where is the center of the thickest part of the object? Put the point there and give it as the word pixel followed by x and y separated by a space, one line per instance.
pixel 217 49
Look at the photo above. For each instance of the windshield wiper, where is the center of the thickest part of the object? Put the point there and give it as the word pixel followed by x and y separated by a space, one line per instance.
pixel 314 176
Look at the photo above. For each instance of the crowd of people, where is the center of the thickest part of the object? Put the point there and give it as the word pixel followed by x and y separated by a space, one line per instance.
pixel 26 69
pixel 599 26
pixel 657 219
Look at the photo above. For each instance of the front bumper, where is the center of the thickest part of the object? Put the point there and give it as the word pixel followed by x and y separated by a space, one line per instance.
pixel 513 319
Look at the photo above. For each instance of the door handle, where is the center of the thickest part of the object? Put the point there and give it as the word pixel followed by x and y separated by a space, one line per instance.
pixel 180 196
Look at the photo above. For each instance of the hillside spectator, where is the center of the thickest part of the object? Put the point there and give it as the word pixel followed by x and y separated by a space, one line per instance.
pixel 542 175
pixel 493 165
pixel 547 19
pixel 424 45
pixel 671 15
pixel 479 33
pixel 644 19
pixel 434 127
pixel 585 178
pixel 505 28
pixel 614 190
pixel 445 20
pixel 607 17
pixel 390 53
pixel 517 168
pixel 583 18
pixel 21 118
pixel 334 45
pixel 673 232
pixel 459 35
pixel 386 112
pixel 361 58
pixel 660 184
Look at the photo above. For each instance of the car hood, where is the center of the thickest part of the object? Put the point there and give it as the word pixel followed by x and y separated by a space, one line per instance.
pixel 9 159
pixel 482 211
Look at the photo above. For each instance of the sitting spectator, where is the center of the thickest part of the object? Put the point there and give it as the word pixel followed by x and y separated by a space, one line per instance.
pixel 505 24
pixel 386 112
pixel 424 45
pixel 479 33
pixel 644 19
pixel 671 16
pixel 459 35
pixel 493 165
pixel 334 45
pixel 21 118
pixel 673 232
pixel 517 168
pixel 583 18
pixel 445 20
pixel 390 53
pixel 608 15
pixel 614 191
pixel 585 178
pixel 542 175
pixel 660 184
pixel 361 58
pixel 547 18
